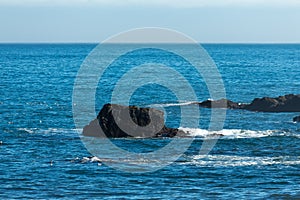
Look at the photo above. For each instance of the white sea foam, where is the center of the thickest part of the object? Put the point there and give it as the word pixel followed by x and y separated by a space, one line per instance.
pixel 171 104
pixel 227 133
pixel 28 130
pixel 233 161
pixel 190 132
pixel 49 130
pixel 206 161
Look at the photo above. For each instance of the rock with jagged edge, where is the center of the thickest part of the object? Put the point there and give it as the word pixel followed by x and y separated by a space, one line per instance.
pixel 106 123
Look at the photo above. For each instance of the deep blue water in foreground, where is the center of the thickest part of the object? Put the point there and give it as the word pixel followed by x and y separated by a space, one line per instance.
pixel 42 154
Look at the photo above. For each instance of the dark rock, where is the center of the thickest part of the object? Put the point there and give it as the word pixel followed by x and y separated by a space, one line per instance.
pixel 93 129
pixel 296 119
pixel 287 103
pixel 116 121
pixel 222 103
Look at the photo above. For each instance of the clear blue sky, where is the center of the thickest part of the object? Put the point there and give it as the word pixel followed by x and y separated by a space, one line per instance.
pixel 205 20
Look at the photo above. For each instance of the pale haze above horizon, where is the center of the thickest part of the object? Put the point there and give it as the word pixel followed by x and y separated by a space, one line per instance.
pixel 218 21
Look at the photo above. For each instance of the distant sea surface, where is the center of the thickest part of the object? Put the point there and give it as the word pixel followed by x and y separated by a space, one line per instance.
pixel 42 154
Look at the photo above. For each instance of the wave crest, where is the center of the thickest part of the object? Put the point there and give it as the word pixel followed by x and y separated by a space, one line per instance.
pixel 230 133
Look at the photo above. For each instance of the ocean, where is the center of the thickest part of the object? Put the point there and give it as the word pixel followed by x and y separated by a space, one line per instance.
pixel 42 155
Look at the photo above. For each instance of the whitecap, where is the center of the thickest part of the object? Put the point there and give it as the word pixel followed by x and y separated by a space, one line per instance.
pixel 172 104
pixel 28 130
pixel 238 161
pixel 227 133
pixel 49 130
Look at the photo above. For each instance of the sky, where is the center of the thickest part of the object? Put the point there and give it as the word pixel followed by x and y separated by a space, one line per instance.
pixel 206 21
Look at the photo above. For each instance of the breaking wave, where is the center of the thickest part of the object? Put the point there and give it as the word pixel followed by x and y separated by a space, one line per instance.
pixel 234 133
pixel 238 161
pixel 172 104
pixel 188 132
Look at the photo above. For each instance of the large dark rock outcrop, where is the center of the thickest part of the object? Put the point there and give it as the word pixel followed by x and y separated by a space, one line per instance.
pixel 116 121
pixel 287 103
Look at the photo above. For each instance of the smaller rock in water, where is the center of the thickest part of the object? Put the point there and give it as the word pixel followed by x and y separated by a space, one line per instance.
pixel 296 119
pixel 222 103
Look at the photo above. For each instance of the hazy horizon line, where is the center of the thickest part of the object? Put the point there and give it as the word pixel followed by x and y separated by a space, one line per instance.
pixel 165 3
pixel 94 42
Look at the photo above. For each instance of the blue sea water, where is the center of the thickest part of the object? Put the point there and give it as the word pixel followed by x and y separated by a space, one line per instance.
pixel 42 154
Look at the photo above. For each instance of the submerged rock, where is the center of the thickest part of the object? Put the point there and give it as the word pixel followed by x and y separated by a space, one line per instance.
pixel 117 121
pixel 296 119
